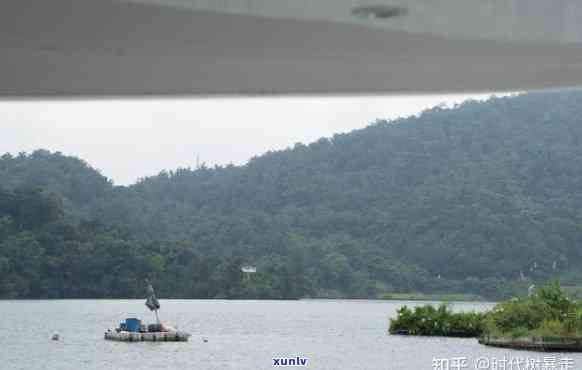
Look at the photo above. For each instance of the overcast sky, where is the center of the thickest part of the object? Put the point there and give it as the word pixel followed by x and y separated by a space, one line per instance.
pixel 129 139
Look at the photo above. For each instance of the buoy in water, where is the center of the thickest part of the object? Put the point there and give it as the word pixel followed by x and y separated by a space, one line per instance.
pixel 55 336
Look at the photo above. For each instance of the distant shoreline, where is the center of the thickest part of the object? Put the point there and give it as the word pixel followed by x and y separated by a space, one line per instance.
pixel 391 297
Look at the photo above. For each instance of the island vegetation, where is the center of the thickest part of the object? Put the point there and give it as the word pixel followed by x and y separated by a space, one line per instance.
pixel 437 321
pixel 477 199
pixel 547 312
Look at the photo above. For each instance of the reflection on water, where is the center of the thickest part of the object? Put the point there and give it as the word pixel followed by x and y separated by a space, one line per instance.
pixel 240 335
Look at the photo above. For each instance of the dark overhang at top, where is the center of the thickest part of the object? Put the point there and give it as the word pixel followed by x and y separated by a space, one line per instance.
pixel 94 48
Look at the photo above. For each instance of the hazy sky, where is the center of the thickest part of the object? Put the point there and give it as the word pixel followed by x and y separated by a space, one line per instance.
pixel 129 139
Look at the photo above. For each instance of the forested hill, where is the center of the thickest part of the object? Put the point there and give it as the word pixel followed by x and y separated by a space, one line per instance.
pixel 473 199
pixel 77 184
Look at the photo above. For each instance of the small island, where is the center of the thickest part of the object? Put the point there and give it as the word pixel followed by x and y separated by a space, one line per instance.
pixel 546 320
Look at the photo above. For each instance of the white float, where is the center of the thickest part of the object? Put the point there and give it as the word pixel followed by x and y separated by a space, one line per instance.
pixel 126 336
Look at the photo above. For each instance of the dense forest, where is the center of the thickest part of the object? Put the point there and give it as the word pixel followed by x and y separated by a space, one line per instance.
pixel 481 198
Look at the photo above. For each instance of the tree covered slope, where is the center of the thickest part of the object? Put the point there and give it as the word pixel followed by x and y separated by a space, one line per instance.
pixel 466 199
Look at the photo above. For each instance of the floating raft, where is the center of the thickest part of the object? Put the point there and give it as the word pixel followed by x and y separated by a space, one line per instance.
pixel 543 344
pixel 126 336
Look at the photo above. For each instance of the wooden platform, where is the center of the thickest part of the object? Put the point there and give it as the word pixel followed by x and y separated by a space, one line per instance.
pixel 125 336
pixel 543 344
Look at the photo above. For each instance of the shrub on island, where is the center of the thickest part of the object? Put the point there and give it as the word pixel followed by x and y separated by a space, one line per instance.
pixel 436 321
pixel 547 312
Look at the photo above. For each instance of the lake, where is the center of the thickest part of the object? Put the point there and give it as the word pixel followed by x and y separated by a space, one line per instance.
pixel 332 334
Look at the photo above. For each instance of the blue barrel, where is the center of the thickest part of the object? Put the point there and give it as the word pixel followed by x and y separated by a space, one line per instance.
pixel 132 325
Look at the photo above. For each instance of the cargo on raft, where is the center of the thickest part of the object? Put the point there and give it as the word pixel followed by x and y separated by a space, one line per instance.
pixel 133 331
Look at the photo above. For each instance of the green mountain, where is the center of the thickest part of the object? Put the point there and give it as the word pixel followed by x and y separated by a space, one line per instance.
pixel 481 198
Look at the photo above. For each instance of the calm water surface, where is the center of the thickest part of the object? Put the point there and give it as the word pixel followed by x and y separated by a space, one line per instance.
pixel 333 334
